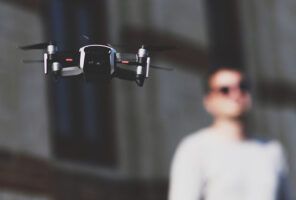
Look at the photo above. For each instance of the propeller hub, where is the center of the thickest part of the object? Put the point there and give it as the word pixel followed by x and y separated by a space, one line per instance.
pixel 51 49
pixel 142 52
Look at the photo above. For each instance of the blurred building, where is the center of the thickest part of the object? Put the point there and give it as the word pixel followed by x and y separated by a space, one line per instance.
pixel 69 139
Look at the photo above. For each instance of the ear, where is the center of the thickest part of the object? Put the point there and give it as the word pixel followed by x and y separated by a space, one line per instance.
pixel 250 101
pixel 207 103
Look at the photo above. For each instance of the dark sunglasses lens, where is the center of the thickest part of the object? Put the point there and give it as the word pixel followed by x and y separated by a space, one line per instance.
pixel 224 90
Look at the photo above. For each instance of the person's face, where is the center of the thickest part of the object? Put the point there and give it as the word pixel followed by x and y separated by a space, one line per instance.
pixel 229 96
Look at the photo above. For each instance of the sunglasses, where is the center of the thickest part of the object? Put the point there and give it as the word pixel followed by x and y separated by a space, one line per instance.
pixel 226 90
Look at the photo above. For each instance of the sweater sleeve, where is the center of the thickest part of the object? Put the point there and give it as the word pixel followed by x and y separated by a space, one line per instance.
pixel 186 178
pixel 285 191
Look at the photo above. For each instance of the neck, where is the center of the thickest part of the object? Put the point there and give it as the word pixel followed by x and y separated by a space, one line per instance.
pixel 231 128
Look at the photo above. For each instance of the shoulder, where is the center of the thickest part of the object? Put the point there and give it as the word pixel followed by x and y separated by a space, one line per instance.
pixel 272 148
pixel 271 145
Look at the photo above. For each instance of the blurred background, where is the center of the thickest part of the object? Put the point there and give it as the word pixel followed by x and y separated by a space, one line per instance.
pixel 71 139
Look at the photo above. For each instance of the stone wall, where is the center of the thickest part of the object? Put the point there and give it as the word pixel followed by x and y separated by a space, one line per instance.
pixel 23 103
pixel 270 44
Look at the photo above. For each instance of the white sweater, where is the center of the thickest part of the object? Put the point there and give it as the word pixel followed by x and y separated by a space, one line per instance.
pixel 212 167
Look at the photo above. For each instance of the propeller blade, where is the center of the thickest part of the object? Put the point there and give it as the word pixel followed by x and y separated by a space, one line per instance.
pixel 149 47
pixel 162 68
pixel 35 46
pixel 33 61
pixel 88 40
pixel 86 37
pixel 159 47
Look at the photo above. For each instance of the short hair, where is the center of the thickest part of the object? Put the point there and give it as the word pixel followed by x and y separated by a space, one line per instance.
pixel 214 70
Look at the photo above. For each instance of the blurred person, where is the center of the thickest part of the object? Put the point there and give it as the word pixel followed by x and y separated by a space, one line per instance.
pixel 223 161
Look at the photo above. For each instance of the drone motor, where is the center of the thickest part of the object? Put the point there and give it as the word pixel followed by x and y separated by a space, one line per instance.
pixel 143 65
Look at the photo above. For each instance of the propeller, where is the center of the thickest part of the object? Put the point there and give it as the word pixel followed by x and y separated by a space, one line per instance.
pixel 148 47
pixel 85 37
pixel 158 47
pixel 86 40
pixel 42 45
pixel 35 46
pixel 33 61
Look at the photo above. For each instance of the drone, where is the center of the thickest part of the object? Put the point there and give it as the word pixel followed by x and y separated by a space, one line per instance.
pixel 97 61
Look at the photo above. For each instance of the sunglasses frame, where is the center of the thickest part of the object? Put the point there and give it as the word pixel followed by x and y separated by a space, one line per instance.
pixel 243 86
